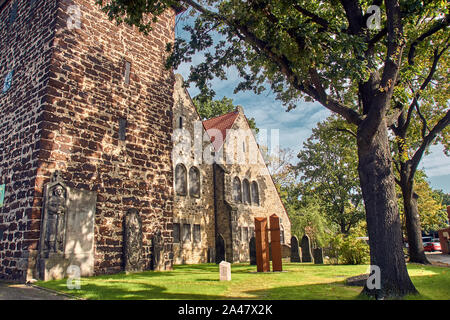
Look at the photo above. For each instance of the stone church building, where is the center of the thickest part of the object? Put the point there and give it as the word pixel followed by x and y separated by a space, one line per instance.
pixel 87 115
pixel 221 184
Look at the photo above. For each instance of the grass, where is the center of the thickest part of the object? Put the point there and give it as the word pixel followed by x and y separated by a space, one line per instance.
pixel 200 282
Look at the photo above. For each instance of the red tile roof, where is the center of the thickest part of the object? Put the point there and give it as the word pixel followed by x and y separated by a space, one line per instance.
pixel 221 123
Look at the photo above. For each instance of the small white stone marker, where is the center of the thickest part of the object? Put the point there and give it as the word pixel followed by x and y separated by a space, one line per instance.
pixel 225 271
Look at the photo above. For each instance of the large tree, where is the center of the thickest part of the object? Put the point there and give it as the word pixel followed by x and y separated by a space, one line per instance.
pixel 327 52
pixel 423 100
pixel 430 206
pixel 328 166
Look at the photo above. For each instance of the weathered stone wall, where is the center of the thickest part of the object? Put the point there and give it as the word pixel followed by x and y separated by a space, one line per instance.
pixel 25 48
pixel 88 95
pixel 70 122
pixel 187 209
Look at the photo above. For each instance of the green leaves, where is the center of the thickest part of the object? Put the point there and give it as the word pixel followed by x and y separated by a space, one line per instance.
pixel 328 168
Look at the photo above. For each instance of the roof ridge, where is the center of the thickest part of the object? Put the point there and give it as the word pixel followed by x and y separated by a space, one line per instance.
pixel 221 115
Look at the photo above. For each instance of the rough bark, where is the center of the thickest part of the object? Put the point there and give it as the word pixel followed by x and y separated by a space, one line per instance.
pixel 412 219
pixel 383 221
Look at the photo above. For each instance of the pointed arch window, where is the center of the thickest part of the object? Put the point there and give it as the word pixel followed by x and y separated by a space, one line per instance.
pixel 255 193
pixel 246 191
pixel 194 182
pixel 237 191
pixel 180 180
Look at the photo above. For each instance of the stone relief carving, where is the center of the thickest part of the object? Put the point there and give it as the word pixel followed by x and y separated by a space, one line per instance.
pixel 54 223
pixel 133 242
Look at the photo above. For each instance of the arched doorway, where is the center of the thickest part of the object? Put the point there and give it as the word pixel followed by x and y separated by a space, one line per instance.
pixel 220 249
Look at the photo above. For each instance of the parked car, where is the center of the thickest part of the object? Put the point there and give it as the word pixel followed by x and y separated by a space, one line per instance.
pixel 432 246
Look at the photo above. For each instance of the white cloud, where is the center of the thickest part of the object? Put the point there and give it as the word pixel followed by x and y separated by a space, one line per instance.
pixel 436 163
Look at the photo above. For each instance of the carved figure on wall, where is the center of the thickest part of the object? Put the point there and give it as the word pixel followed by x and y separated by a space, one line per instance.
pixel 54 218
pixel 56 210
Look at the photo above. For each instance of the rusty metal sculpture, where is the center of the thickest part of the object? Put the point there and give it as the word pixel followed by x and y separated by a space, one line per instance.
pixel 262 245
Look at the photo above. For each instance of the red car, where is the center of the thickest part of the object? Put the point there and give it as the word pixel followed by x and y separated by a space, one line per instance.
pixel 432 246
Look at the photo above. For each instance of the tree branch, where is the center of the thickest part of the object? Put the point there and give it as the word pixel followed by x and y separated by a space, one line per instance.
pixel 382 96
pixel 354 15
pixel 315 18
pixel 444 122
pixel 318 92
pixel 414 104
pixel 284 64
pixel 424 121
pixel 347 130
pixel 439 25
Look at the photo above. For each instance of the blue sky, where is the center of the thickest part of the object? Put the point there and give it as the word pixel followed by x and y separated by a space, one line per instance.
pixel 295 126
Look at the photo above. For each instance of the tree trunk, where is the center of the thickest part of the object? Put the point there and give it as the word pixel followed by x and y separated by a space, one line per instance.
pixel 412 219
pixel 383 220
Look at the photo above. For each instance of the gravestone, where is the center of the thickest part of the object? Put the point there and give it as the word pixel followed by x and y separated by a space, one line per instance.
pixel 262 245
pixel 318 255
pixel 275 243
pixel 295 250
pixel 157 249
pixel 67 230
pixel 225 271
pixel 306 249
pixel 132 242
pixel 252 248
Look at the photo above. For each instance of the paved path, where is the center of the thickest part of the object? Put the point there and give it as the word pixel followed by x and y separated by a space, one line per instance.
pixel 439 258
pixel 9 291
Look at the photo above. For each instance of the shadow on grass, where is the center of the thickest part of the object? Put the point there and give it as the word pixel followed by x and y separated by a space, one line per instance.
pixel 322 291
pixel 139 291
pixel 432 282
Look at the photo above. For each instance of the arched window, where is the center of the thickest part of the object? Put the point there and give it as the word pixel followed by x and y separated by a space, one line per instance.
pixel 246 191
pixel 180 179
pixel 255 193
pixel 237 191
pixel 180 122
pixel 194 182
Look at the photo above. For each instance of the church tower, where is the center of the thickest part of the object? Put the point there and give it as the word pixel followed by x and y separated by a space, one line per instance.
pixel 85 105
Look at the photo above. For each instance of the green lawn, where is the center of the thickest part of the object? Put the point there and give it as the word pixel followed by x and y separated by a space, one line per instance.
pixel 298 282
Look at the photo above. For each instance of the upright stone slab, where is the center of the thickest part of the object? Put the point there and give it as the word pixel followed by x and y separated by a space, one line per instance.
pixel 157 249
pixel 262 245
pixel 318 255
pixel 295 252
pixel 132 248
pixel 225 271
pixel 67 230
pixel 306 249
pixel 252 249
pixel 275 243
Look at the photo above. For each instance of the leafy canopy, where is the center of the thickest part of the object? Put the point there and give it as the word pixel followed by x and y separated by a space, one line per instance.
pixel 328 168
pixel 315 50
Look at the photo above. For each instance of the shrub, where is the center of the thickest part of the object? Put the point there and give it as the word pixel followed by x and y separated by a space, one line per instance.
pixel 349 250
